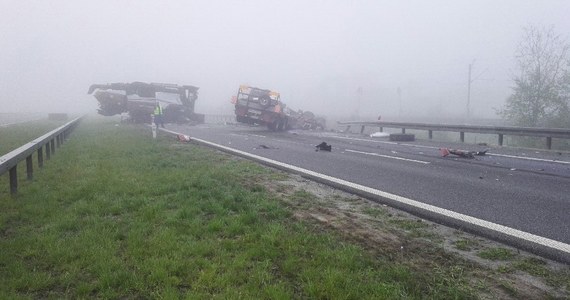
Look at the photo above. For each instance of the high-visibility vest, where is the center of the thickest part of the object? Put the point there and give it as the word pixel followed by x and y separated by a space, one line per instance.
pixel 158 110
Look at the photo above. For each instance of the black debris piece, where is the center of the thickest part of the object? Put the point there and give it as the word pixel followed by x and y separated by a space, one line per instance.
pixel 324 147
pixel 265 147
pixel 482 153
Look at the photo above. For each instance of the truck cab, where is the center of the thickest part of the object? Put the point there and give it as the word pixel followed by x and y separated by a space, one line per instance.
pixel 260 106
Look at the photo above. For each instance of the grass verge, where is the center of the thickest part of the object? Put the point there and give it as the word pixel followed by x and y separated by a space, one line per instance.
pixel 16 135
pixel 116 214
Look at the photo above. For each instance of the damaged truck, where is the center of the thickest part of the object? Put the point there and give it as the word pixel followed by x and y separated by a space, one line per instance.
pixel 138 99
pixel 264 107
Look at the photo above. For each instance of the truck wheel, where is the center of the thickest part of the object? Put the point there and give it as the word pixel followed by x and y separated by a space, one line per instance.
pixel 264 101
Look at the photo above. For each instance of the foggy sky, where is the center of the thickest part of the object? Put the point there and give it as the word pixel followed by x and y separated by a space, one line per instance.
pixel 315 53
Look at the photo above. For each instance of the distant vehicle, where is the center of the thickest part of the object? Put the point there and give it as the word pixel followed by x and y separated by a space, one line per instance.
pixel 264 107
pixel 138 99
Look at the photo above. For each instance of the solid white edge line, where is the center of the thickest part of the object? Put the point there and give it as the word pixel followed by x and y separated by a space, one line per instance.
pixel 563 247
pixel 388 156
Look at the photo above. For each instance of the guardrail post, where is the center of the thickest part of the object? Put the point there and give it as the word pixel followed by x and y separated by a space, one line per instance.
pixel 381 129
pixel 40 157
pixel 462 136
pixel 48 140
pixel 403 130
pixel 14 180
pixel 549 142
pixel 362 129
pixel 30 167
pixel 430 134
pixel 347 128
pixel 48 151
pixel 500 139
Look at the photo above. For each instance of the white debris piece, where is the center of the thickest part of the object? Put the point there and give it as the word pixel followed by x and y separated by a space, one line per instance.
pixel 379 134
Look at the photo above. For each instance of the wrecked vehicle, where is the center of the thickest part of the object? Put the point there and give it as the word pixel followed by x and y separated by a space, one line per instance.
pixel 264 107
pixel 138 99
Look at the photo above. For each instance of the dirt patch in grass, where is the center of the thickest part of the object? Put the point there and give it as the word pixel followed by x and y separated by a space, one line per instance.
pixel 421 244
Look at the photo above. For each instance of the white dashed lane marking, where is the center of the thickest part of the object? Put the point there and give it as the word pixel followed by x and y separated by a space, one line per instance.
pixel 388 156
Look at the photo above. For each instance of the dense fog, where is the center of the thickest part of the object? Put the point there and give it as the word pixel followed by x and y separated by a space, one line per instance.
pixel 350 59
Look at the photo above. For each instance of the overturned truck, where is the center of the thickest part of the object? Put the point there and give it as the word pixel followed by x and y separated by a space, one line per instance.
pixel 138 100
pixel 264 107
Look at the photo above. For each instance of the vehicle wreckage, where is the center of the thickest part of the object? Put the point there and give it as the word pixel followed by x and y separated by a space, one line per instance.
pixel 138 99
pixel 462 153
pixel 264 107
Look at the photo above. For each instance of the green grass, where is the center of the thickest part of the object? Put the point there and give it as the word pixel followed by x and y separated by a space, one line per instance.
pixel 508 288
pixel 14 136
pixel 496 254
pixel 115 214
pixel 375 212
pixel 538 268
pixel 465 244
pixel 409 224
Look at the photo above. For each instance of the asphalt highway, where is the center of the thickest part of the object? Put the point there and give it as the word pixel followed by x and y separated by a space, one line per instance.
pixel 528 190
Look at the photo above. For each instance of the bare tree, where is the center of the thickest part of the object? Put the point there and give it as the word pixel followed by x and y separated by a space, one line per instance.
pixel 541 92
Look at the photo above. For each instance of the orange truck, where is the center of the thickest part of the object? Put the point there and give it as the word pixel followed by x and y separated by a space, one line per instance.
pixel 264 107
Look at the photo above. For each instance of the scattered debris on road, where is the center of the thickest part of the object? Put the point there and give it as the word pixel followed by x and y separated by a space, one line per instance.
pixel 323 147
pixel 264 147
pixel 379 134
pixel 462 153
pixel 183 138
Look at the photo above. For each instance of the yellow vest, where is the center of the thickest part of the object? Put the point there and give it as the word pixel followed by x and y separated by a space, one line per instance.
pixel 158 110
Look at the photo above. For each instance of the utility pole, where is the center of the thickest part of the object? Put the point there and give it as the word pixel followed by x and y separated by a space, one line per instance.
pixel 469 81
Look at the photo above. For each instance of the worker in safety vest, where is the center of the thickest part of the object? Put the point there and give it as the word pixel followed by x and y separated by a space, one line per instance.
pixel 158 115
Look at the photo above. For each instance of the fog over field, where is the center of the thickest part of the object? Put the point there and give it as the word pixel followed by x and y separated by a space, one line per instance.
pixel 317 54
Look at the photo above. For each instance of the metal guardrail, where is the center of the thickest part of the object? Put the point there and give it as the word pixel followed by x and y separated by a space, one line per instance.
pixel 501 131
pixel 51 140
